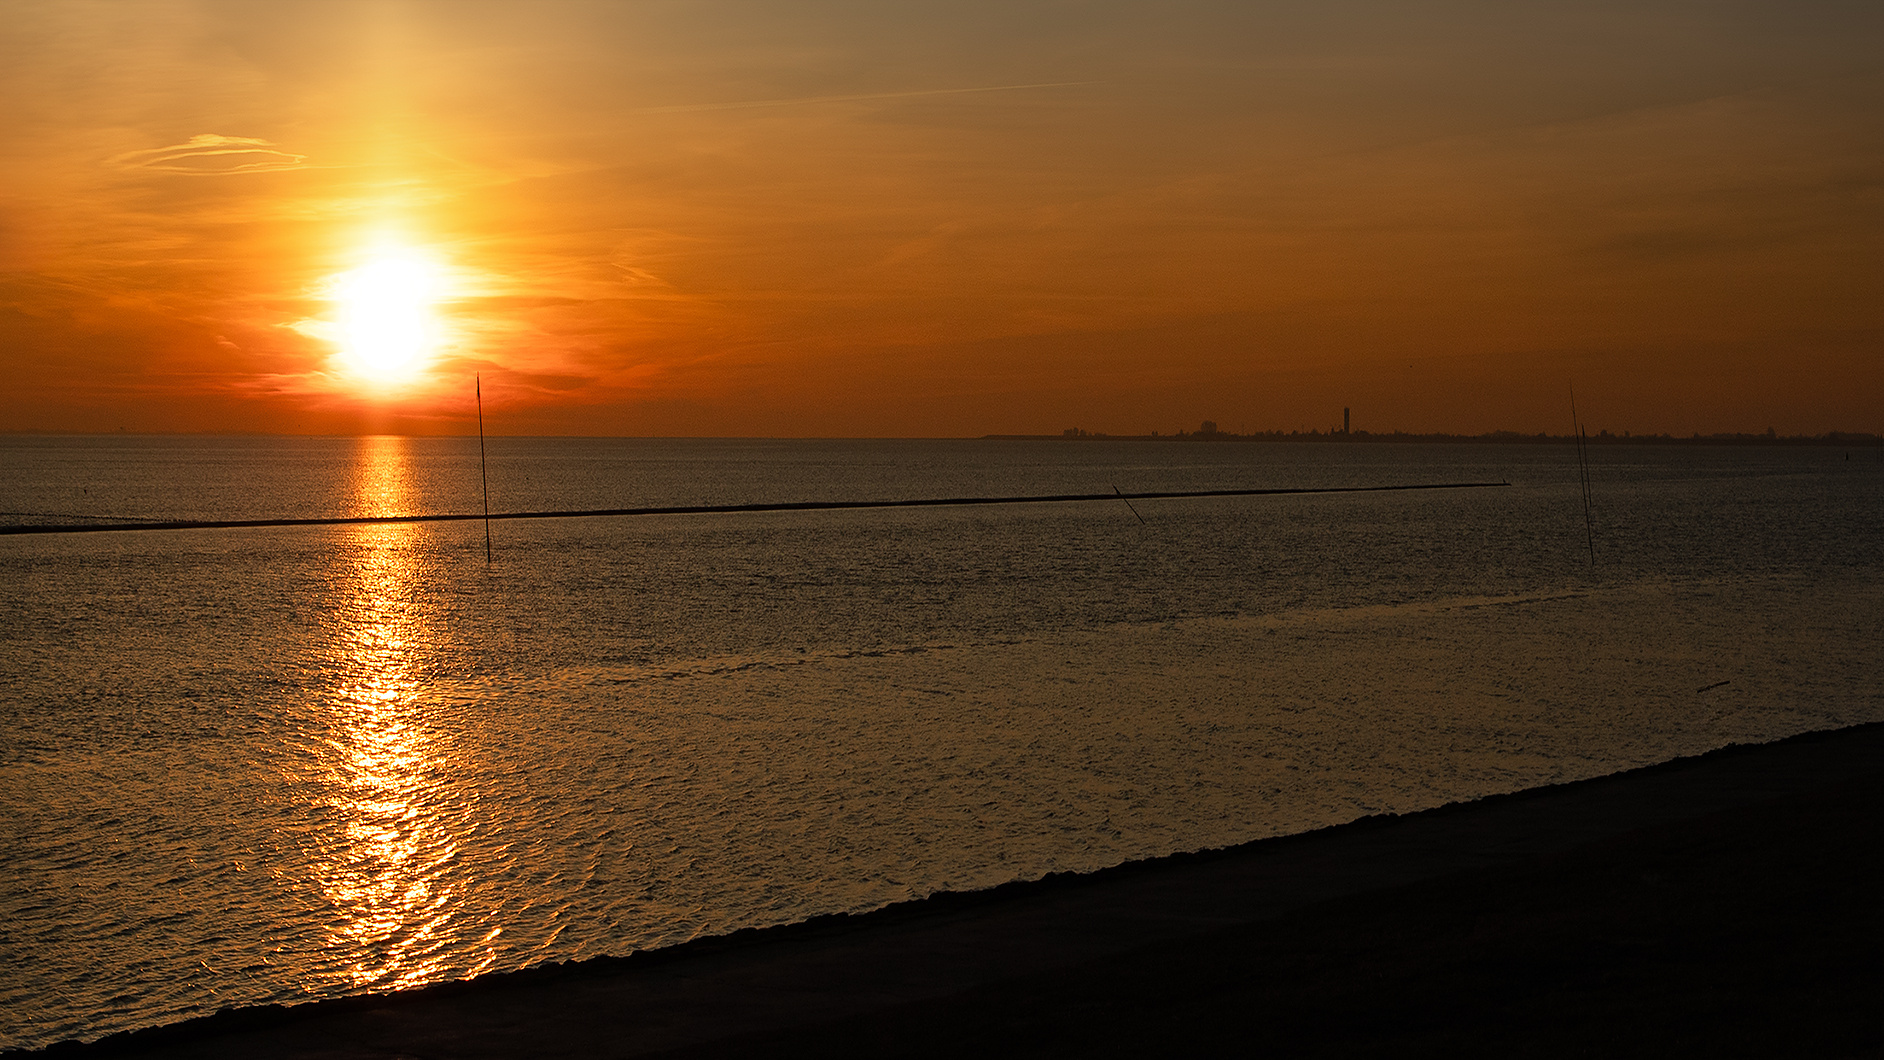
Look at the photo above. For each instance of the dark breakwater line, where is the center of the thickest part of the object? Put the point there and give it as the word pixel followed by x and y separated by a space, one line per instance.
pixel 711 509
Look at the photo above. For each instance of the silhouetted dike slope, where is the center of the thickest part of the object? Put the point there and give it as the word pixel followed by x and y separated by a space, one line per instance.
pixel 1754 932
pixel 1744 921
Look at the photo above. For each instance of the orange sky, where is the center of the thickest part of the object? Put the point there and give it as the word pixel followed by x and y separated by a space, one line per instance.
pixel 804 219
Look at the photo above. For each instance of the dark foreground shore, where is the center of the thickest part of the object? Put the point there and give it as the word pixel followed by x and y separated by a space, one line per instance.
pixel 1725 904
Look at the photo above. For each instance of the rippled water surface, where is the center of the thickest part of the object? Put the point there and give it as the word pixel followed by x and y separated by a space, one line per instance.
pixel 266 765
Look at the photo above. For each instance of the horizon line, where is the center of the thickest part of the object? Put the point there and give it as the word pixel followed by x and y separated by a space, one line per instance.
pixel 1842 437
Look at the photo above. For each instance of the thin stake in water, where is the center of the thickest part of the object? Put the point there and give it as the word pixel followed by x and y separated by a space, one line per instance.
pixel 483 473
pixel 1583 473
pixel 1128 503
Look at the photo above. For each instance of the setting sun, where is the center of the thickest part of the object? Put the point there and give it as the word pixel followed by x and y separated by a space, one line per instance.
pixel 386 328
pixel 503 494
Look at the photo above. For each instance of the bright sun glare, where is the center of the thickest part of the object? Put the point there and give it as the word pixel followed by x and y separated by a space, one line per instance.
pixel 387 328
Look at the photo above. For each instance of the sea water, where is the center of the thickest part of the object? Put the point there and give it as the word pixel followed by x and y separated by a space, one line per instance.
pixel 245 766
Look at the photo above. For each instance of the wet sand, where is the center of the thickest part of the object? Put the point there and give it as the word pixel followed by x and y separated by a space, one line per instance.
pixel 1724 903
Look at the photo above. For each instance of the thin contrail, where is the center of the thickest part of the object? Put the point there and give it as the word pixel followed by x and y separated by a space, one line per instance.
pixel 804 100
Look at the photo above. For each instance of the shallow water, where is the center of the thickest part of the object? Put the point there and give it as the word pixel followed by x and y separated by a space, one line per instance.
pixel 245 766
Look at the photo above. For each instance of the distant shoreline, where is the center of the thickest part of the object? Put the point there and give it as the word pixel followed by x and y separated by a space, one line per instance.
pixel 1833 438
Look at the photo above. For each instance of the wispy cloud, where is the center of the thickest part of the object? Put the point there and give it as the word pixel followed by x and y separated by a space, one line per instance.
pixel 209 154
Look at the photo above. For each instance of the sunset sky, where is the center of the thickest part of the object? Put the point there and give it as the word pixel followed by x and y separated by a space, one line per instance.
pixel 914 219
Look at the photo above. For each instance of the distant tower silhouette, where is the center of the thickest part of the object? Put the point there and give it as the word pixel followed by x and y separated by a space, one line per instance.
pixel 1344 421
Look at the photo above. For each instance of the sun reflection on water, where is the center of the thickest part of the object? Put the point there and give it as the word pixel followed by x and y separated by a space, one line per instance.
pixel 385 866
pixel 382 478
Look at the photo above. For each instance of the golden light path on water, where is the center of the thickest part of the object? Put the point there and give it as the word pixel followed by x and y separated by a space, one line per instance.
pixel 384 866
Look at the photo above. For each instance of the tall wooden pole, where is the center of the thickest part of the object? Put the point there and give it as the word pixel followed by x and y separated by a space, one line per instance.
pixel 1583 474
pixel 483 471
